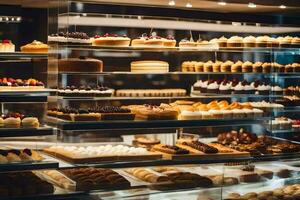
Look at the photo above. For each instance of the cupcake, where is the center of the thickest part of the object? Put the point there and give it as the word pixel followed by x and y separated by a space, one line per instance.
pixel 295 42
pixel 235 41
pixel 286 41
pixel 257 67
pixel 278 67
pixel 212 87
pixel 222 41
pixel 249 41
pixel 237 67
pixel 296 67
pixel 213 41
pixel 225 87
pixel 217 66
pixel 185 66
pixel 262 41
pixel 203 87
pixel 247 67
pixel 239 88
pixel 277 90
pixel 199 66
pixel 207 67
pixel 263 89
pixel 226 66
pixel 248 88
pixel 288 68
pixel 266 67
pixel 273 42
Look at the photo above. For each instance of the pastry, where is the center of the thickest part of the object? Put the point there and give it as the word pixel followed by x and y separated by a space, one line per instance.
pixel 249 178
pixel 113 40
pixel 226 66
pixel 3 156
pixel 169 41
pixel 266 67
pixel 114 113
pixel 286 41
pixel 35 47
pixel 85 115
pixel 155 41
pixel 199 67
pixel 139 42
pixel 13 155
pixel 283 173
pixel 200 146
pixel 257 67
pixel 222 42
pixel 295 42
pixel 249 41
pixel 30 122
pixel 187 43
pixel 235 41
pixel 80 64
pixel 217 66
pixel 70 37
pixel 7 46
pixel 212 87
pixel 262 41
pixel 149 66
pixel 12 122
pixel 236 67
pixel 147 175
pixel 208 66
pixel 151 92
pixel 247 67
pixel 220 180
pixel 169 149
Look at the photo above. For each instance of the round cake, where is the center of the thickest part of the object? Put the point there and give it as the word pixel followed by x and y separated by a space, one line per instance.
pixel 149 66
pixel 35 47
pixel 111 40
pixel 81 64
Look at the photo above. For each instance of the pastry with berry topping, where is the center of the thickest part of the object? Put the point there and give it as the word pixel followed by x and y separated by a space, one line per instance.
pixel 111 40
pixel 115 113
pixel 86 115
pixel 169 41
pixel 19 84
pixel 140 42
pixel 154 40
pixel 7 46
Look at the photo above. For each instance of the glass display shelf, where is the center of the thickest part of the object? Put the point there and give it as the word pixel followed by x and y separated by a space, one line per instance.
pixel 25 166
pixel 125 124
pixel 166 98
pixel 208 48
pixel 269 75
pixel 21 55
pixel 25 95
pixel 20 132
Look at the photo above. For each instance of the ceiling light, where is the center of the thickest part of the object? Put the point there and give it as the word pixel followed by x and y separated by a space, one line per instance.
pixel 188 5
pixel 282 6
pixel 252 5
pixel 84 14
pixel 222 3
pixel 172 3
pixel 19 19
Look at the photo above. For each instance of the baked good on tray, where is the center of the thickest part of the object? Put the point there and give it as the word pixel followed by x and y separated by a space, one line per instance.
pixel 19 84
pixel 146 66
pixel 85 91
pixel 16 155
pixel 81 64
pixel 18 120
pixel 87 154
pixel 20 184
pixel 70 37
pixel 147 175
pixel 7 46
pixel 221 180
pixel 94 178
pixel 197 145
pixel 152 112
pixel 151 92
pixel 35 47
pixel 111 40
pixel 145 142
pixel 114 113
pixel 168 149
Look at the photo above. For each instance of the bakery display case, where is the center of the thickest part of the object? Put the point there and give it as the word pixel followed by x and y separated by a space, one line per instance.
pixel 151 101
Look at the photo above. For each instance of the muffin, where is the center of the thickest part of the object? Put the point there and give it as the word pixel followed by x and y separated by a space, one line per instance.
pixel 288 68
pixel 197 85
pixel 217 66
pixel 286 41
pixel 257 67
pixel 225 87
pixel 237 67
pixel 266 67
pixel 222 41
pixel 185 66
pixel 199 66
pixel 213 41
pixel 277 90
pixel 226 66
pixel 247 67
pixel 235 41
pixel 207 67
pixel 296 67
pixel 248 88
pixel 203 87
pixel 273 42
pixel 263 89
pixel 262 41
pixel 295 42
pixel 212 87
pixel 249 41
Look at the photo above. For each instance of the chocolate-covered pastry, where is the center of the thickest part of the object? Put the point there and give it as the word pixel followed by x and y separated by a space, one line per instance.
pixel 201 146
pixel 170 149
